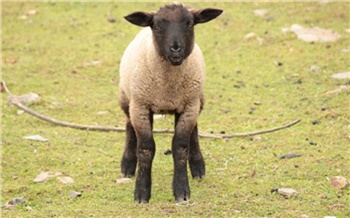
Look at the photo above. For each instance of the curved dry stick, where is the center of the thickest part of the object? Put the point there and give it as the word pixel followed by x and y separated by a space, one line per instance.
pixel 13 99
pixel 246 134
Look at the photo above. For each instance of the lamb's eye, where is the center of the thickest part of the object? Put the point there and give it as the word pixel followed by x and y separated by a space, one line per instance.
pixel 156 26
pixel 190 25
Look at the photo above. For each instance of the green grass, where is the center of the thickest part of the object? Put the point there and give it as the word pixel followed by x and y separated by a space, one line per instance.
pixel 52 49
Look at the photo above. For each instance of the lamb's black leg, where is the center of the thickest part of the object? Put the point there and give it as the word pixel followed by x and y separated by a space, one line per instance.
pixel 145 154
pixel 129 160
pixel 180 146
pixel 196 160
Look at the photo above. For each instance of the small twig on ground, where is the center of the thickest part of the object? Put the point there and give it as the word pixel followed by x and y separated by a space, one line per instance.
pixel 14 100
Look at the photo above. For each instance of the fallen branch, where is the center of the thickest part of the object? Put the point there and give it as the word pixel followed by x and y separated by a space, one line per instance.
pixel 247 134
pixel 14 100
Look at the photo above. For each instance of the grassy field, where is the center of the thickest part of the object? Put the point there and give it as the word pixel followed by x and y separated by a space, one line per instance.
pixel 69 54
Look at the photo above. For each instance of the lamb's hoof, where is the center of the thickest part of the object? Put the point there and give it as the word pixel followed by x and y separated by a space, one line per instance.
pixel 128 172
pixel 128 168
pixel 182 195
pixel 183 199
pixel 127 175
pixel 199 178
pixel 141 202
pixel 142 196
pixel 197 168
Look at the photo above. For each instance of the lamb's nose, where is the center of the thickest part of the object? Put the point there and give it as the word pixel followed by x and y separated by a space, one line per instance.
pixel 175 48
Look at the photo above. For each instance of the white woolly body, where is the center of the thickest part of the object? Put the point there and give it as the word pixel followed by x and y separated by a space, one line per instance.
pixel 152 82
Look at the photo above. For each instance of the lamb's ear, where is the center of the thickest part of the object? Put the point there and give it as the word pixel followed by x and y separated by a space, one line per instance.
pixel 140 18
pixel 205 15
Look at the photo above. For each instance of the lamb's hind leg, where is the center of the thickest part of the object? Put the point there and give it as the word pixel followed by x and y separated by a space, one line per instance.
pixel 196 160
pixel 129 160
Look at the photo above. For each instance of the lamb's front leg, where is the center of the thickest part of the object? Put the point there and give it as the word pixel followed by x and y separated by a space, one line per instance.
pixel 196 160
pixel 142 122
pixel 184 124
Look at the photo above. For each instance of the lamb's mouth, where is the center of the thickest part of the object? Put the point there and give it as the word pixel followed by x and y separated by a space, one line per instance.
pixel 175 61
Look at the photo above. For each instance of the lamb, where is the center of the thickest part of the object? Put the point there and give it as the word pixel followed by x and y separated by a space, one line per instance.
pixel 162 71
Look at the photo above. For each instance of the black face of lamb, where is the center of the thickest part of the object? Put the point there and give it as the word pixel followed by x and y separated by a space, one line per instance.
pixel 173 36
pixel 172 27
